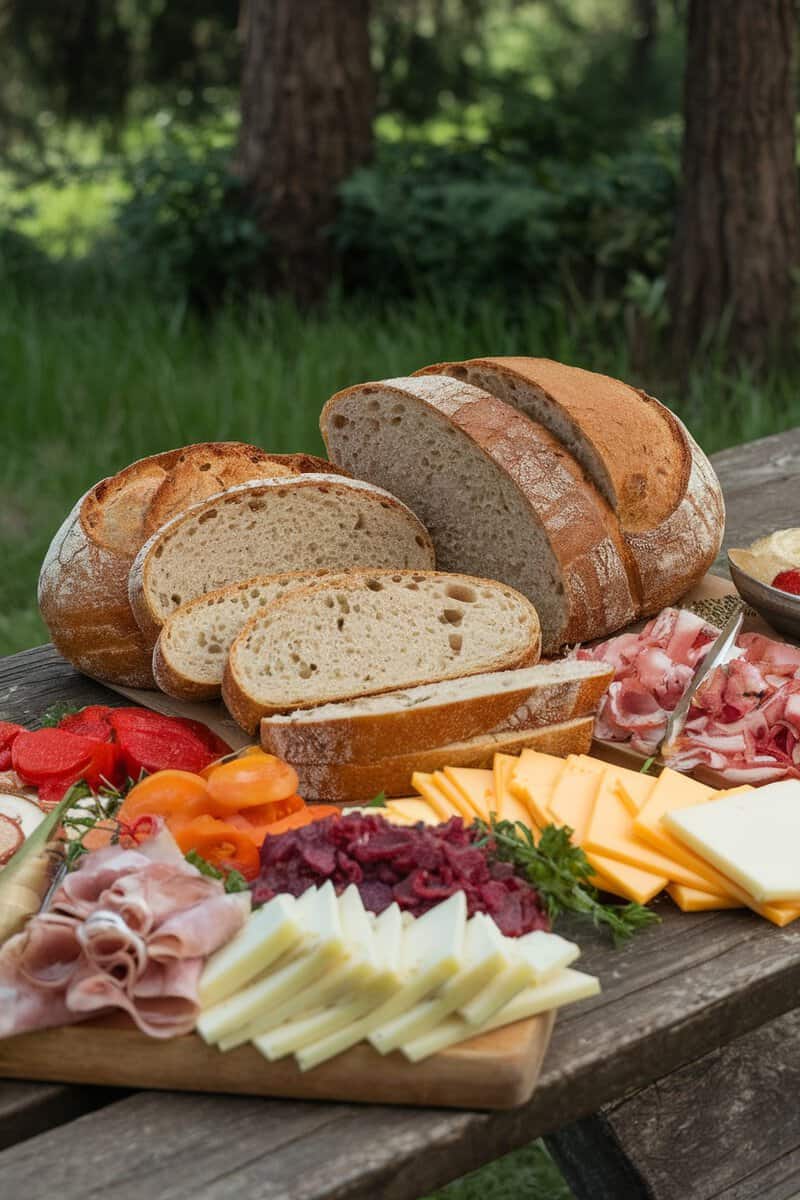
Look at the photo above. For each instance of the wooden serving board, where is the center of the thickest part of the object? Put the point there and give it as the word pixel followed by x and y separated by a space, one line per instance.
pixel 493 1071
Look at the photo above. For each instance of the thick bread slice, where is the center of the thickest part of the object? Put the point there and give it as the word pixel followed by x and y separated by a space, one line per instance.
pixel 343 783
pixel 205 470
pixel 435 714
pixel 192 647
pixel 498 493
pixel 269 526
pixel 639 454
pixel 375 631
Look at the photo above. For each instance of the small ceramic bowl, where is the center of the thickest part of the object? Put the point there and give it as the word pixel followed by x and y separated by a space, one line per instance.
pixel 779 609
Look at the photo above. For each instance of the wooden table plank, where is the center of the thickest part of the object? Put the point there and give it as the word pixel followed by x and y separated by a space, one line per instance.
pixel 27 1109
pixel 732 1113
pixel 670 997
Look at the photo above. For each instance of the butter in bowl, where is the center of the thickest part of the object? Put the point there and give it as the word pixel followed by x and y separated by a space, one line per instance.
pixel 767 576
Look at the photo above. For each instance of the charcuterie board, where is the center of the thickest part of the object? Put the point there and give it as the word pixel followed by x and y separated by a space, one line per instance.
pixel 496 1070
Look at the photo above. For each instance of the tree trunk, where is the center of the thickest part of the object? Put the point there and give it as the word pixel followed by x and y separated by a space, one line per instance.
pixel 307 108
pixel 738 236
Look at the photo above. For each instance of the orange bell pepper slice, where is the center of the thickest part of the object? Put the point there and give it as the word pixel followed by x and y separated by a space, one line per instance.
pixel 304 816
pixel 250 782
pixel 221 844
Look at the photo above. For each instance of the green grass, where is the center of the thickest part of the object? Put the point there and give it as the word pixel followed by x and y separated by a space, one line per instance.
pixel 528 1174
pixel 92 379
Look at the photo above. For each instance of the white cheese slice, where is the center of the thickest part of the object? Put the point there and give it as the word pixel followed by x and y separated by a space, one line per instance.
pixel 564 988
pixel 292 972
pixel 537 957
pixel 432 951
pixel 269 932
pixel 752 837
pixel 358 970
pixel 486 952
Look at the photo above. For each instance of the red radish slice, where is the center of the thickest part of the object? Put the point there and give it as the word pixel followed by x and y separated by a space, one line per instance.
pixel 91 722
pixel 143 720
pixel 48 754
pixel 8 735
pixel 150 752
pixel 11 838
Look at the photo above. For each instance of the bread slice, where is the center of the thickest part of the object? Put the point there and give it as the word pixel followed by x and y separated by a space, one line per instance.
pixel 344 783
pixel 435 714
pixel 638 453
pixel 83 584
pixel 375 631
pixel 498 493
pixel 205 470
pixel 192 647
pixel 266 527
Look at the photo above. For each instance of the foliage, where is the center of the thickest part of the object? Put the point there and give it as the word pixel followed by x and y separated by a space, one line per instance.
pixel 423 214
pixel 187 223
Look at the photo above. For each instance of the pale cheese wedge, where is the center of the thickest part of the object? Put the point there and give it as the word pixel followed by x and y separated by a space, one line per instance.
pixel 751 837
pixel 432 952
pixel 476 786
pixel 427 788
pixel 675 792
pixel 358 970
pixel 486 952
pixel 510 807
pixel 291 974
pixel 694 900
pixel 268 934
pixel 292 1036
pixel 533 781
pixel 537 956
pixel 565 988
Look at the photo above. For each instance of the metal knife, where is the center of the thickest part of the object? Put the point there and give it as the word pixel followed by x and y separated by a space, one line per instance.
pixel 717 655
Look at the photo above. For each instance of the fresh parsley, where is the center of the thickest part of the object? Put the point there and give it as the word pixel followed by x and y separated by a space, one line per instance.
pixel 644 769
pixel 55 714
pixel 561 873
pixel 379 801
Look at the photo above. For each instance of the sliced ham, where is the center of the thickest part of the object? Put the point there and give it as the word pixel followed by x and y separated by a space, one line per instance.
pixel 128 930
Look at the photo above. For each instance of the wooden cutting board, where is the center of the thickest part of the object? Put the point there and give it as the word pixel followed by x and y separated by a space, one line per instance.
pixel 496 1070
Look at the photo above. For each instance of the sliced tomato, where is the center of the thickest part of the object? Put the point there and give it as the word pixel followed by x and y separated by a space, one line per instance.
pixel 251 781
pixel 177 796
pixel 221 844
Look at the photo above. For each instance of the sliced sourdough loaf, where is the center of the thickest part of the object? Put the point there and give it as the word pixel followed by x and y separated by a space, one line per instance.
pixel 192 647
pixel 374 631
pixel 378 727
pixel 638 453
pixel 340 783
pixel 83 584
pixel 499 494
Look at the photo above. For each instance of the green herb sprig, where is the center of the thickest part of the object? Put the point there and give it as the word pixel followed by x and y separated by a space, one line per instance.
pixel 234 880
pixel 560 872
pixel 55 714
pixel 80 819
pixel 378 801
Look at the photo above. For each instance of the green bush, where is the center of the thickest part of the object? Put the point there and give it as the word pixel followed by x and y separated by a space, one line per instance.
pixel 425 216
pixel 187 225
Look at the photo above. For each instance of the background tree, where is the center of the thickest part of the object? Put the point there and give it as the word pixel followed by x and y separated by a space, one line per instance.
pixel 738 236
pixel 307 108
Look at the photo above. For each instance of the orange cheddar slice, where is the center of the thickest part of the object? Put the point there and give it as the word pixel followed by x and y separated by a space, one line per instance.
pixel 572 799
pixel 533 781
pixel 476 786
pixel 413 810
pixel 454 796
pixel 509 807
pixel 635 788
pixel 611 832
pixel 427 788
pixel 695 900
pixel 624 880
pixel 675 791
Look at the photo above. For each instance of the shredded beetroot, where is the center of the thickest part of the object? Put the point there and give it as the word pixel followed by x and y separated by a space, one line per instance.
pixel 417 866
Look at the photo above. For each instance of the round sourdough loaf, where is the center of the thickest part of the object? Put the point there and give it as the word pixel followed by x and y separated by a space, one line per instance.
pixel 269 526
pixel 638 453
pixel 500 494
pixel 83 583
pixel 371 632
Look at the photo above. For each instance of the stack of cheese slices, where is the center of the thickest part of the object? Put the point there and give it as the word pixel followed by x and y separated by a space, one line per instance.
pixel 315 976
pixel 642 834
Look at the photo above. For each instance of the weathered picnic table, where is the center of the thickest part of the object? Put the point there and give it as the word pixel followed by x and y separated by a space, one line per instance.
pixel 677 1083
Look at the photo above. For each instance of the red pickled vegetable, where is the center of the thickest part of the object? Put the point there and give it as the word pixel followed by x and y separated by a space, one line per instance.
pixel 8 733
pixel 92 722
pixel 47 754
pixel 788 581
pixel 151 742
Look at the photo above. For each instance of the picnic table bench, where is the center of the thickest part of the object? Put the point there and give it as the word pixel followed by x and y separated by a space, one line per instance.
pixel 676 1083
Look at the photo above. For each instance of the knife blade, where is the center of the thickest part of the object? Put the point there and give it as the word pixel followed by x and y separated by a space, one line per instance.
pixel 718 653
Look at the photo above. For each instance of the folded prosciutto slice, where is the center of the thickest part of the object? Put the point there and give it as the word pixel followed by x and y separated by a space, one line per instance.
pixel 744 722
pixel 128 930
